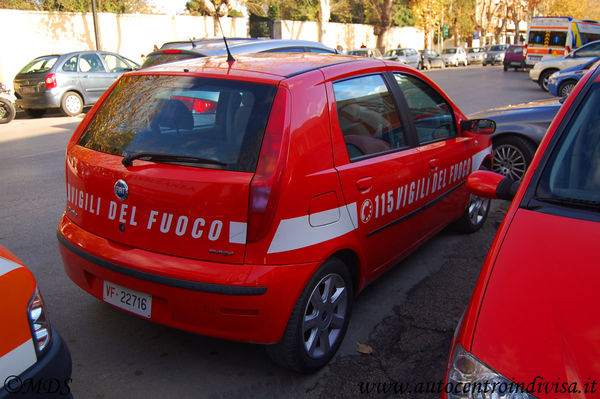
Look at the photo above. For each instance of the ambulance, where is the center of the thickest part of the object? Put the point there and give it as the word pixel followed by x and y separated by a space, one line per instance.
pixel 557 36
pixel 34 360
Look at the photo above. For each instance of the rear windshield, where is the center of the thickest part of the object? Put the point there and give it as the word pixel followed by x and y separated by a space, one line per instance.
pixel 40 64
pixel 220 121
pixel 546 38
pixel 163 58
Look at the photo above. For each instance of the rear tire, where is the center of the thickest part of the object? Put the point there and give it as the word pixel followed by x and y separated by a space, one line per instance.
pixel 512 156
pixel 544 77
pixel 71 103
pixel 7 110
pixel 318 322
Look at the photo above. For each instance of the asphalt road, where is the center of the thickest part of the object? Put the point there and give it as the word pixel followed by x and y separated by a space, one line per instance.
pixel 407 316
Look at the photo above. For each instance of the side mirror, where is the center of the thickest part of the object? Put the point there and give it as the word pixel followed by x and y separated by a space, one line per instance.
pixel 493 185
pixel 478 126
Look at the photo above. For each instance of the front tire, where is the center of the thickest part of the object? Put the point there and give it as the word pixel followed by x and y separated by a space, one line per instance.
pixel 7 110
pixel 71 103
pixel 474 216
pixel 318 322
pixel 565 88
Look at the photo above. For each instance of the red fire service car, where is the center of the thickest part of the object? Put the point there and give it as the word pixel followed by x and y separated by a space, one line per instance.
pixel 532 327
pixel 34 360
pixel 253 199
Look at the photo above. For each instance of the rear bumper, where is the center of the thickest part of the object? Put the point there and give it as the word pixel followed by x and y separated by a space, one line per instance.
pixel 49 377
pixel 250 303
pixel 45 99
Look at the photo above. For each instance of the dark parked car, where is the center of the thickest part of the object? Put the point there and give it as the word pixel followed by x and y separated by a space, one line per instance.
pixel 519 130
pixel 174 51
pixel 514 57
pixel 494 54
pixel 431 59
pixel 69 81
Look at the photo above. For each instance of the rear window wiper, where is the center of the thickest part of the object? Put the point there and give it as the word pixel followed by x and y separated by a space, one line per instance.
pixel 153 156
pixel 572 202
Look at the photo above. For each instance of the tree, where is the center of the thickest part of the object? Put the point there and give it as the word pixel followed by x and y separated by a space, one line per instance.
pixel 113 6
pixel 214 8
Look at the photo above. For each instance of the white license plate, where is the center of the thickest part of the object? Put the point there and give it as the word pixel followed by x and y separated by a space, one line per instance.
pixel 127 299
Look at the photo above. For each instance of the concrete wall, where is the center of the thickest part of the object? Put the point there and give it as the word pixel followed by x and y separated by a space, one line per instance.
pixel 349 36
pixel 29 34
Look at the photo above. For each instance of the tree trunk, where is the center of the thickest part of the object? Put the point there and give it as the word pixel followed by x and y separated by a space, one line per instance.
pixel 324 14
pixel 384 24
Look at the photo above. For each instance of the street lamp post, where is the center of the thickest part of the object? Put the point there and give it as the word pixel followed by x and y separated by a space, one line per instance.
pixel 96 30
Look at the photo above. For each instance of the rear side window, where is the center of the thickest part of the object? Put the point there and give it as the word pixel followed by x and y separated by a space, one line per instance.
pixel 220 121
pixel 432 115
pixel 367 116
pixel 40 64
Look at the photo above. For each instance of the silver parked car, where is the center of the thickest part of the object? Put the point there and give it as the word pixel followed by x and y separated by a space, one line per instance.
pixel 408 56
pixel 175 51
pixel 68 81
pixel 475 55
pixel 494 54
pixel 454 56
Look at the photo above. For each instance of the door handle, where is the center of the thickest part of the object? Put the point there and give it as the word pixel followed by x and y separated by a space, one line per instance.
pixel 364 184
pixel 433 163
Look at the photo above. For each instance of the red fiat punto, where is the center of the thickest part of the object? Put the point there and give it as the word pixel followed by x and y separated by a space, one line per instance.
pixel 253 199
pixel 532 328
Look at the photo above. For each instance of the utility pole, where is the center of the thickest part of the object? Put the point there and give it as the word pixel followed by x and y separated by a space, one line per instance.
pixel 96 30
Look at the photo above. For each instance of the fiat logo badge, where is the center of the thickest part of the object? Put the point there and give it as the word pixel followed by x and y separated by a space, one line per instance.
pixel 121 190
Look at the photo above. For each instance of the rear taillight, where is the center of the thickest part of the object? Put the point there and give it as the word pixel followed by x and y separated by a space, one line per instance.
pixel 525 50
pixel 40 327
pixel 50 81
pixel 264 189
pixel 201 106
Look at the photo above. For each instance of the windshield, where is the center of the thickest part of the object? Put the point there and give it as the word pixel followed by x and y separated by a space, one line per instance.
pixel 40 64
pixel 222 121
pixel 163 58
pixel 573 169
pixel 475 50
pixel 449 51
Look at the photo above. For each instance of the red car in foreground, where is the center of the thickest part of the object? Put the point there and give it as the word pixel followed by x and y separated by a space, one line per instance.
pixel 532 328
pixel 252 199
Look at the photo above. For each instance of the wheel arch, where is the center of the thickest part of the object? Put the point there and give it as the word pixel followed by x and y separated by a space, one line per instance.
pixel 74 90
pixel 352 262
pixel 510 134
pixel 548 71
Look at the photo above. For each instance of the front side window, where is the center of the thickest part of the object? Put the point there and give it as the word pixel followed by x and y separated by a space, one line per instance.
pixel 571 176
pixel 432 115
pixel 115 64
pixel 368 117
pixel 591 50
pixel 219 123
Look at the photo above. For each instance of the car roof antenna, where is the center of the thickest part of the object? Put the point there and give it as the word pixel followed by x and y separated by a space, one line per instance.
pixel 229 56
pixel 191 41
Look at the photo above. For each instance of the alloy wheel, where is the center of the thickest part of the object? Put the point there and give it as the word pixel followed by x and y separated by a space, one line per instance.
pixel 509 161
pixel 324 315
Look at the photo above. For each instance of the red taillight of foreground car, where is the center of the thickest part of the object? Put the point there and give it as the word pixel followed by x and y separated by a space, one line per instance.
pixel 51 81
pixel 265 184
